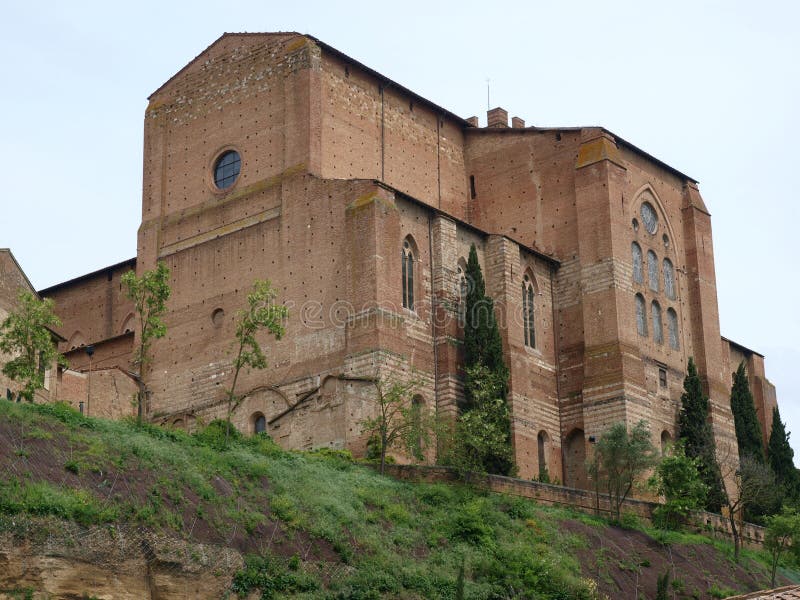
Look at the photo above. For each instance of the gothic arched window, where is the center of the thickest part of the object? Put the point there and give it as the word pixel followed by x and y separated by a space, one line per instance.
pixel 658 328
pixel 672 326
pixel 527 312
pixel 669 279
pixel 408 275
pixel 641 316
pixel 652 270
pixel 636 254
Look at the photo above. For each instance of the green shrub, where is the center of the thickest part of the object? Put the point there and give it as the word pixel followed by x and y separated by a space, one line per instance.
pixel 214 435
pixel 270 576
pixel 435 494
pixel 468 525
pixel 66 414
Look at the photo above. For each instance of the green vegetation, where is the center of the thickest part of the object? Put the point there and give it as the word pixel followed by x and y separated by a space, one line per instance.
pixel 783 533
pixel 482 440
pixel 400 421
pixel 311 525
pixel 149 294
pixel 261 314
pixel 620 458
pixel 25 336
pixel 781 459
pixel 745 419
pixel 391 539
pixel 695 431
pixel 677 478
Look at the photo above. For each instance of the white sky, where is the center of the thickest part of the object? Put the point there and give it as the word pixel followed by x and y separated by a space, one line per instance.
pixel 711 88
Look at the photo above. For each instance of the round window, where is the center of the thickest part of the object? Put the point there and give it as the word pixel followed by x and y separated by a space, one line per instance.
pixel 649 217
pixel 226 169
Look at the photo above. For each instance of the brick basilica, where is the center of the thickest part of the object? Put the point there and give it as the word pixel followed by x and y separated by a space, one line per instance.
pixel 277 156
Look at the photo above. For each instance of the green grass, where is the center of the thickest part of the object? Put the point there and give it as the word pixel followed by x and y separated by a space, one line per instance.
pixel 389 538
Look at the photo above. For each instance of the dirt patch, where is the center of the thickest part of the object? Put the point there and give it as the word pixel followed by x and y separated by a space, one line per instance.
pixel 627 564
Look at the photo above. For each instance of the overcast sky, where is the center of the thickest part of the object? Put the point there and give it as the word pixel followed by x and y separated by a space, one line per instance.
pixel 711 88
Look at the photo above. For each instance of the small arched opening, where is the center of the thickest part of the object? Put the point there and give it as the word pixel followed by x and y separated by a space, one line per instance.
pixel 542 443
pixel 666 441
pixel 259 422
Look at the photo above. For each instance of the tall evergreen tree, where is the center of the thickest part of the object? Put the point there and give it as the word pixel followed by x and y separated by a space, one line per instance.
pixel 483 345
pixel 698 437
pixel 781 457
pixel 748 430
pixel 485 424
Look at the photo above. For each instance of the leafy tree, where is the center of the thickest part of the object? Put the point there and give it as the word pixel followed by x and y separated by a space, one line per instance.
pixel 781 457
pixel 748 430
pixel 482 342
pixel 261 313
pixel 400 420
pixel 698 438
pixel 677 478
pixel 26 337
pixel 620 458
pixel 149 294
pixel 754 484
pixel 783 533
pixel 482 437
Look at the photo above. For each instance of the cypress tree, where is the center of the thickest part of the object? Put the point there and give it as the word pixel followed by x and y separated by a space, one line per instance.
pixel 698 437
pixel 748 430
pixel 483 345
pixel 487 430
pixel 781 457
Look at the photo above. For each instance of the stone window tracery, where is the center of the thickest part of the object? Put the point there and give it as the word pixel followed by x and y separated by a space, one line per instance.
pixel 636 255
pixel 528 312
pixel 669 279
pixel 652 270
pixel 641 316
pixel 658 328
pixel 672 326
pixel 649 217
pixel 408 275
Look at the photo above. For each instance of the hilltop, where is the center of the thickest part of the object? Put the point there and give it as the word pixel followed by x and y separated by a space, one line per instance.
pixel 92 508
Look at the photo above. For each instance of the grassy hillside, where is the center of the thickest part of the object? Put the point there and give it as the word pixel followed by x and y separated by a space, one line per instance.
pixel 316 525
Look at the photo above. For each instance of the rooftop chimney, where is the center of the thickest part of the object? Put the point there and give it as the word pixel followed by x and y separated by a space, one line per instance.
pixel 473 121
pixel 517 123
pixel 497 117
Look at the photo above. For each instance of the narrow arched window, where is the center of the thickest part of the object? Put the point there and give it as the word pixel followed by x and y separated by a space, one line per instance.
pixel 672 326
pixel 652 270
pixel 408 276
pixel 260 423
pixel 417 411
pixel 658 328
pixel 641 316
pixel 527 312
pixel 461 278
pixel 669 279
pixel 636 254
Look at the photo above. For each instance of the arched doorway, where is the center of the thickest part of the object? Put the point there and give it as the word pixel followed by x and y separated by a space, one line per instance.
pixel 575 460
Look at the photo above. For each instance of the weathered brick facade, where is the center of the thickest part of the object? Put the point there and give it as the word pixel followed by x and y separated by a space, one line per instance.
pixel 340 167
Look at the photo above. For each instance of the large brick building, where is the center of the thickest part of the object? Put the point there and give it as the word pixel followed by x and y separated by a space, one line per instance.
pixel 277 156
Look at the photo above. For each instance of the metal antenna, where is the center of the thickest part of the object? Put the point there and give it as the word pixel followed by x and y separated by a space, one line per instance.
pixel 488 103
